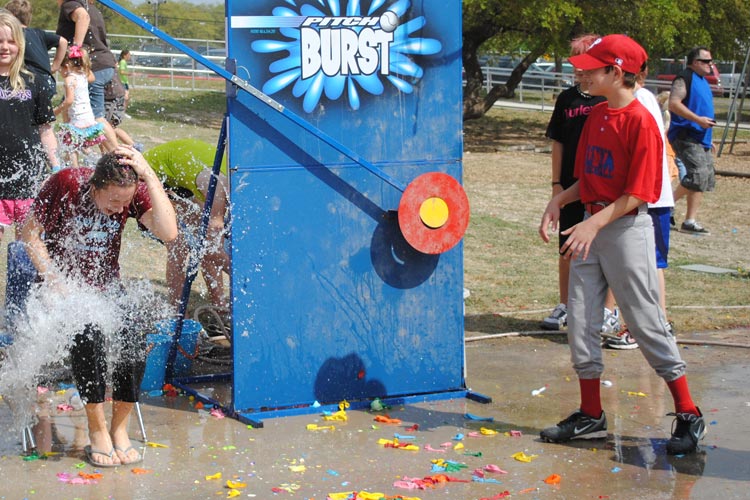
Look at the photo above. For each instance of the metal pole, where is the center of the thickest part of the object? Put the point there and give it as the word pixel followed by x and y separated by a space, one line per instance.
pixel 734 114
pixel 194 260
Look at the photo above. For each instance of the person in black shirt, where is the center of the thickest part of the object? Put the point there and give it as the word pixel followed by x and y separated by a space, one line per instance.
pixel 38 45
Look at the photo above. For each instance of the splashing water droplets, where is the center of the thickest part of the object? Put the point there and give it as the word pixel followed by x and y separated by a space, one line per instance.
pixel 42 337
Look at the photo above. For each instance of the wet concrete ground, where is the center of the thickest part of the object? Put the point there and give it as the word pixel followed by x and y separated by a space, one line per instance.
pixel 286 460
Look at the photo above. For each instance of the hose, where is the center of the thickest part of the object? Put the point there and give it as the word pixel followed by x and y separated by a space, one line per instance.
pixel 490 336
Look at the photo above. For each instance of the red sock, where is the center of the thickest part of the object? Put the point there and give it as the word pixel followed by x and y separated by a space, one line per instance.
pixel 683 403
pixel 591 403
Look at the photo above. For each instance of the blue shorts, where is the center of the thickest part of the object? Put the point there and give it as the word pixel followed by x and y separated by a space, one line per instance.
pixel 660 218
pixel 96 90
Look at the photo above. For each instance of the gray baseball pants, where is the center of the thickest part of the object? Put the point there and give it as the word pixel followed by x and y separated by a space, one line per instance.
pixel 621 257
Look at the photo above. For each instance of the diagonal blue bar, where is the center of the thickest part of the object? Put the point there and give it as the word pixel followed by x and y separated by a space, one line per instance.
pixel 243 84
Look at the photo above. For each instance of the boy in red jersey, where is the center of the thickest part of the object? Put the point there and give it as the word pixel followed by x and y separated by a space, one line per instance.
pixel 618 166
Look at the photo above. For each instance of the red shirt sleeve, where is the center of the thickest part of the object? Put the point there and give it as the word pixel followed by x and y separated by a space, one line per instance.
pixel 645 175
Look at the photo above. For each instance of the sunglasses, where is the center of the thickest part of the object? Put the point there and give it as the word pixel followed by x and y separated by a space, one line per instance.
pixel 707 61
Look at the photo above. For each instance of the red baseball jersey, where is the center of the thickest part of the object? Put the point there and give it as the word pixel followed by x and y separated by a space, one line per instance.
pixel 83 241
pixel 620 152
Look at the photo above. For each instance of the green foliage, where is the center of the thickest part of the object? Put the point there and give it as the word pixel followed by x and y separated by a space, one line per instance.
pixel 179 19
pixel 666 28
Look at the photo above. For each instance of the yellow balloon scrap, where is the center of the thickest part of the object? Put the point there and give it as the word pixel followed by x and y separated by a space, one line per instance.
pixel 487 432
pixel 233 493
pixel 639 394
pixel 363 495
pixel 459 446
pixel 289 488
pixel 316 427
pixel 234 485
pixel 214 476
pixel 339 416
pixel 297 468
pixel 394 443
pixel 523 457
pixel 156 445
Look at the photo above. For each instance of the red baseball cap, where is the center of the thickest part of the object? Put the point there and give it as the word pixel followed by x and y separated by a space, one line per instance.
pixel 612 50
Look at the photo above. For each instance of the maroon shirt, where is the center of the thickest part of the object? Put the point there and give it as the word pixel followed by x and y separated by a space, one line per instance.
pixel 82 241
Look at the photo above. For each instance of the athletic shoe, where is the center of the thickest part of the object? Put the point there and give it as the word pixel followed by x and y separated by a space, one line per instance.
pixel 557 319
pixel 687 430
pixel 576 426
pixel 693 228
pixel 623 341
pixel 611 324
pixel 669 325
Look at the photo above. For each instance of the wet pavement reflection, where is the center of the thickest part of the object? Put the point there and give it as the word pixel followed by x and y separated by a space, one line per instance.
pixel 196 454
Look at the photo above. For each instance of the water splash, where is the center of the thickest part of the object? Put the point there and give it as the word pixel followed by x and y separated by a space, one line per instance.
pixel 42 337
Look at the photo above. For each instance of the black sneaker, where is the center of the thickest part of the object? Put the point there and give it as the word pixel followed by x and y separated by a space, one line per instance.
pixel 687 430
pixel 577 426
pixel 693 228
pixel 557 319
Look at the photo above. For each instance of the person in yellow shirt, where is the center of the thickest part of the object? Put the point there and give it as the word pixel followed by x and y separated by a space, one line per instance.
pixel 184 167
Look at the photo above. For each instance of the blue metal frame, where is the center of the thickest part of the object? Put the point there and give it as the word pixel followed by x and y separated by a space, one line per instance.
pixel 194 261
pixel 294 144
pixel 243 84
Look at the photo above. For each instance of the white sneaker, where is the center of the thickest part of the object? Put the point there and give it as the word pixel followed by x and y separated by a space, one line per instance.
pixel 623 341
pixel 611 323
pixel 557 319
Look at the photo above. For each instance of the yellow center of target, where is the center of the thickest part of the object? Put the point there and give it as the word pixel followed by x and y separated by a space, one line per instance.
pixel 434 212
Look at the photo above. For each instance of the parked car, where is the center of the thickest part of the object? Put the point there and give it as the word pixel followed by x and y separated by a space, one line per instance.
pixel 565 76
pixel 155 55
pixel 730 76
pixel 151 56
pixel 537 75
pixel 668 69
pixel 214 54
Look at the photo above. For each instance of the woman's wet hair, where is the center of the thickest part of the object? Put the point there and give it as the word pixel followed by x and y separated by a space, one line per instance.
pixel 110 172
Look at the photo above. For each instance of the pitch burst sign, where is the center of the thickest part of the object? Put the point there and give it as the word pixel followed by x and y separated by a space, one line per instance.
pixel 330 300
pixel 339 50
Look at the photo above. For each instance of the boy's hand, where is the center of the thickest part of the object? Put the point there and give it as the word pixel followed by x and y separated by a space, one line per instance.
pixel 579 240
pixel 550 219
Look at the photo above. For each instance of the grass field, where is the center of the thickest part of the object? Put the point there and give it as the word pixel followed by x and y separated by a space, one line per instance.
pixel 511 274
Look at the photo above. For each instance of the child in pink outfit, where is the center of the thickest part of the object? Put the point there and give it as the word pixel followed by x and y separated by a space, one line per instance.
pixel 80 130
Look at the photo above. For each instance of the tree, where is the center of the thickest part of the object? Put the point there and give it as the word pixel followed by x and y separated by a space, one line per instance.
pixel 180 19
pixel 665 28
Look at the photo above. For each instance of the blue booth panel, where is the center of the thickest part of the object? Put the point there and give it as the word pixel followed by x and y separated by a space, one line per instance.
pixel 329 301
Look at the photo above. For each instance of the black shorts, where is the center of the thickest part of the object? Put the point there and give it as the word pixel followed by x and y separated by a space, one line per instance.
pixel 570 215
pixel 88 358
